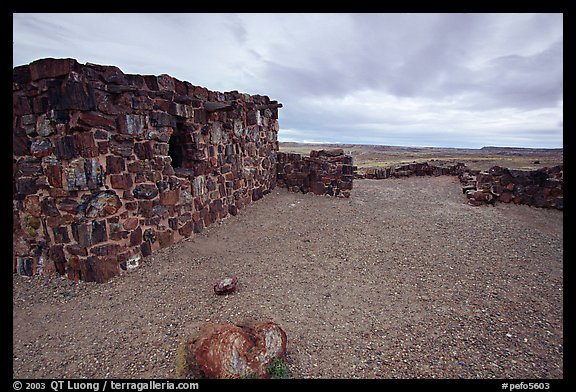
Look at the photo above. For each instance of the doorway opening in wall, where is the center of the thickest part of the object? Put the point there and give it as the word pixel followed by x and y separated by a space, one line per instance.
pixel 175 149
pixel 181 148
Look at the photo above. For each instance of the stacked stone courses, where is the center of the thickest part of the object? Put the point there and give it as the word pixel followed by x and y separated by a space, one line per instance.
pixel 324 172
pixel 543 188
pixel 109 167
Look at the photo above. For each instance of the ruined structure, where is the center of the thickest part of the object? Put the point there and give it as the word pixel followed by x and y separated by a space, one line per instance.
pixel 539 188
pixel 324 172
pixel 434 168
pixel 108 167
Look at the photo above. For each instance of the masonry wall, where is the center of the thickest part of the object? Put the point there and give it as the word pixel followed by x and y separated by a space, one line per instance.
pixel 109 167
pixel 539 188
pixel 438 168
pixel 324 172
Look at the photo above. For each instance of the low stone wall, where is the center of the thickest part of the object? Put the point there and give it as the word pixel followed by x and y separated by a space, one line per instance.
pixel 539 188
pixel 324 172
pixel 438 168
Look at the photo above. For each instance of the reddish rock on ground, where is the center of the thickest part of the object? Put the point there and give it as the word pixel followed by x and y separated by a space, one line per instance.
pixel 226 285
pixel 232 351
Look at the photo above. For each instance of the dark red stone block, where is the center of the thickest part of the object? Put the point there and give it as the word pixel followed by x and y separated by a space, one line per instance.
pixel 26 185
pixel 29 167
pixel 69 205
pixel 114 164
pixel 506 197
pixel 130 223
pixel 76 250
pixel 59 192
pixel 165 238
pixel 142 103
pixel 85 144
pixel 257 194
pixel 52 68
pixel 253 118
pixel 82 234
pixel 169 198
pixel 40 104
pixel 318 188
pixel 61 235
pixel 144 150
pixel 130 205
pixel 173 223
pixel 64 147
pixel 146 249
pixel 136 237
pixel 21 74
pixel 99 232
pixel 151 82
pixel 121 181
pixel 102 148
pixel 162 104
pixel 49 207
pixel 145 208
pixel 186 229
pixel 21 145
pixel 56 255
pixel 100 134
pixel 122 146
pixel 97 120
pixel 105 249
pixel 21 105
pixel 99 268
pixel 71 95
pixel 94 173
pixel 116 233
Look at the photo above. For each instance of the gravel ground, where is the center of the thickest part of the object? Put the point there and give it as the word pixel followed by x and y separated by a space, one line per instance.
pixel 402 280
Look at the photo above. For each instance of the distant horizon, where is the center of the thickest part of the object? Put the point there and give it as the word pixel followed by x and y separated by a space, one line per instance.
pixel 418 146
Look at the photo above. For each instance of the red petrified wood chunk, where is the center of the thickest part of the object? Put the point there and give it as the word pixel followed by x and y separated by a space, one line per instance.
pixel 232 351
pixel 226 285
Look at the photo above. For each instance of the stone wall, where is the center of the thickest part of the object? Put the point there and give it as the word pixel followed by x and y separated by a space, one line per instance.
pixel 324 172
pixel 109 167
pixel 539 188
pixel 433 168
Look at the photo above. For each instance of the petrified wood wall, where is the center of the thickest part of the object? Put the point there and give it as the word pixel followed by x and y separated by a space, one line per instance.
pixel 539 188
pixel 324 172
pixel 108 167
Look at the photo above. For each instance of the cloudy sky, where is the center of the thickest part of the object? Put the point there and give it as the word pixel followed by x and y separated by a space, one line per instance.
pixel 449 80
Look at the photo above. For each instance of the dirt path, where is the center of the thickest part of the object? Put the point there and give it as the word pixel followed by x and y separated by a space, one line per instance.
pixel 402 280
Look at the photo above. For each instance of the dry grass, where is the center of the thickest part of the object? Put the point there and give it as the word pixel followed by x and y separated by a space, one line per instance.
pixel 480 159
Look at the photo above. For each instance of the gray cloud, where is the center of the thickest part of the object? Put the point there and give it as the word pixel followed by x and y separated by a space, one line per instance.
pixel 453 79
